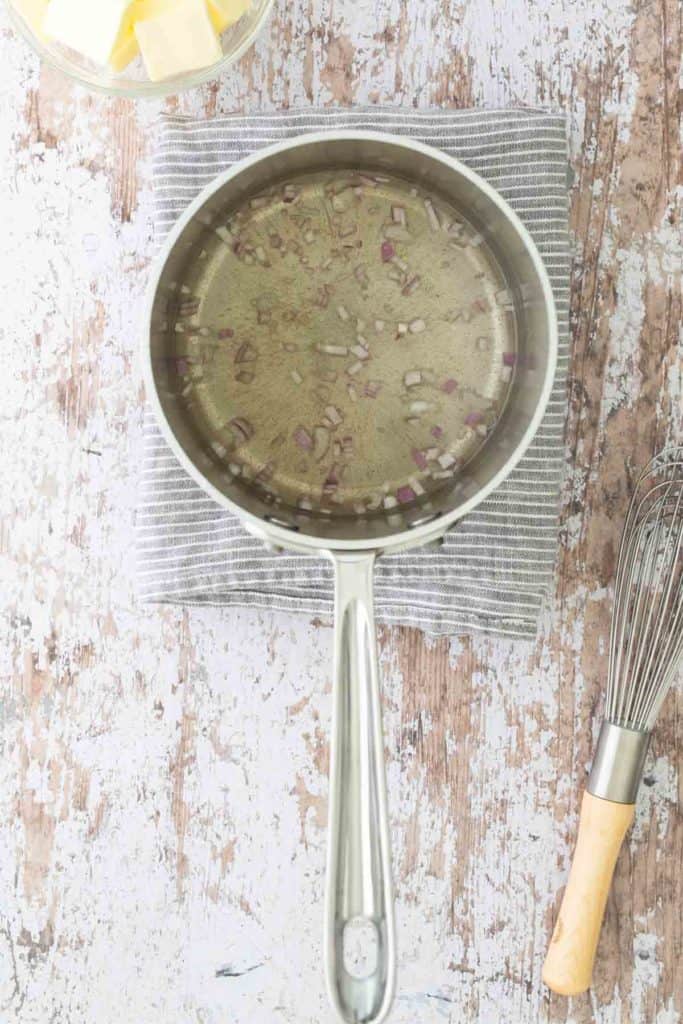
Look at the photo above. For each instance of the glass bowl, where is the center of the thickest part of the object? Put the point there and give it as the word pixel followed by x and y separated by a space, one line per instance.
pixel 133 80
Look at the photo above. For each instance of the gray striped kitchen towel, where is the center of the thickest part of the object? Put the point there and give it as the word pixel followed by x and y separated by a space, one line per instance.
pixel 495 565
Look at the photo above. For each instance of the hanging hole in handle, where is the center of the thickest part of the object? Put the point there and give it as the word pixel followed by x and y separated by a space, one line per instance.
pixel 360 947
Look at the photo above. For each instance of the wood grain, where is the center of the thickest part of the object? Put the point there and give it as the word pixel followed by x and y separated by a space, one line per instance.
pixel 163 773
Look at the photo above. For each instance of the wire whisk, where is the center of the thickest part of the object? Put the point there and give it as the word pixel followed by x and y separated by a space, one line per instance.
pixel 646 640
pixel 645 649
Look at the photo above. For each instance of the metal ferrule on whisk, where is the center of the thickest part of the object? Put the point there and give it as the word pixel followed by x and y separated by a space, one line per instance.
pixel 618 763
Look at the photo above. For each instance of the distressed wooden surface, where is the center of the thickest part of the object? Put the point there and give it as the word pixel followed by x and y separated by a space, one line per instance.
pixel 163 770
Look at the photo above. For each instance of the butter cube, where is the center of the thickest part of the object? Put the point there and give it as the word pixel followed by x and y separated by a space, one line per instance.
pixel 180 39
pixel 89 28
pixel 126 47
pixel 226 12
pixel 33 13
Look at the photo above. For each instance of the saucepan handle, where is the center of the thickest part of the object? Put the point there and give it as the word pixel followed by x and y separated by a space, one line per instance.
pixel 360 957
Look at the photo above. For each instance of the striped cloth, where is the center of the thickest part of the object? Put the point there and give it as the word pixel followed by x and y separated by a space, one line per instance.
pixel 495 565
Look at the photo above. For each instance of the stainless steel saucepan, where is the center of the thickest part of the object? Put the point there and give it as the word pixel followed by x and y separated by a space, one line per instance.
pixel 359 888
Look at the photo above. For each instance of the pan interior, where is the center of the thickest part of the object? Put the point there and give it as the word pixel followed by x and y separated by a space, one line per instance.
pixel 342 343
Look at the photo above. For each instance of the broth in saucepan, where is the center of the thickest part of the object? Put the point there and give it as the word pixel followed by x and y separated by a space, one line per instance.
pixel 344 342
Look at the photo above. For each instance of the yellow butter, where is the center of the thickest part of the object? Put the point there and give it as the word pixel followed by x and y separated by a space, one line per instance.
pixel 226 12
pixel 126 48
pixel 33 13
pixel 89 28
pixel 180 38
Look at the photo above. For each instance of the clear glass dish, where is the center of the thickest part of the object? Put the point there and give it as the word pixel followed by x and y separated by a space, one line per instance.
pixel 133 80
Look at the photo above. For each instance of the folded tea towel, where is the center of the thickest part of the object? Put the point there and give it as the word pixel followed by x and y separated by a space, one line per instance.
pixel 493 569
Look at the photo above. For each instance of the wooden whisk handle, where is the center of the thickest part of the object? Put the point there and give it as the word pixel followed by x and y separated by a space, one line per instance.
pixel 568 967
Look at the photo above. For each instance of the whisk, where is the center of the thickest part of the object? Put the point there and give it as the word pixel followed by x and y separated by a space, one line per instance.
pixel 646 644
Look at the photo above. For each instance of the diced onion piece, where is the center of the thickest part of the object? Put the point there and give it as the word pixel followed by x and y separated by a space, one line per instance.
pixel 355 367
pixel 246 353
pixel 449 386
pixel 437 432
pixel 419 458
pixel 333 414
pixel 379 326
pixel 432 215
pixel 303 439
pixel 321 442
pixel 473 418
pixel 417 326
pixel 446 460
pixel 401 328
pixel 411 285
pixel 509 358
pixel 405 494
pixel 411 378
pixel 241 429
pixel 296 376
pixel 332 350
pixel 387 252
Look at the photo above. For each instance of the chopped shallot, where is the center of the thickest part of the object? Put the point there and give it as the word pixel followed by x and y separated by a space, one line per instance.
pixel 432 215
pixel 405 494
pixel 303 439
pixel 333 414
pixel 246 353
pixel 321 442
pixel 411 285
pixel 387 252
pixel 332 350
pixel 242 429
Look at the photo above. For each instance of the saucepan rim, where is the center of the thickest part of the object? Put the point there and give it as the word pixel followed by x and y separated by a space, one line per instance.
pixel 268 530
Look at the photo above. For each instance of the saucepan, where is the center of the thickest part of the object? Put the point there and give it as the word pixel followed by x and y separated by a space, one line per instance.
pixel 359 897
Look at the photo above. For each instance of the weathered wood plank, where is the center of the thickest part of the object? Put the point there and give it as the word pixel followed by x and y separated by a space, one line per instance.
pixel 163 782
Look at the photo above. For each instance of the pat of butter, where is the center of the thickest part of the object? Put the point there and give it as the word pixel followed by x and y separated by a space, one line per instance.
pixel 33 13
pixel 125 49
pixel 226 12
pixel 180 39
pixel 89 28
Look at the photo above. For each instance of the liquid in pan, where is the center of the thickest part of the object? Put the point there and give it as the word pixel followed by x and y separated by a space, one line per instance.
pixel 344 343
